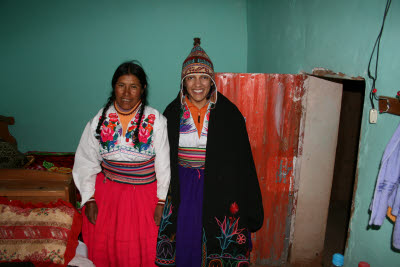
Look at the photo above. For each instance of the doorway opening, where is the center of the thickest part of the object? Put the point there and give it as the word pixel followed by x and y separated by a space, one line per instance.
pixel 345 169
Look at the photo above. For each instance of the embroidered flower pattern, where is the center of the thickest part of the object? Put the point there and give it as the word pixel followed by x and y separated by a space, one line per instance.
pixel 107 134
pixel 166 250
pixel 4 256
pixel 144 135
pixel 241 239
pixel 186 115
pixel 145 131
pixel 185 123
pixel 167 212
pixel 20 211
pixel 43 211
pixel 54 256
pixel 113 117
pixel 229 229
pixel 110 131
pixel 234 208
pixel 151 118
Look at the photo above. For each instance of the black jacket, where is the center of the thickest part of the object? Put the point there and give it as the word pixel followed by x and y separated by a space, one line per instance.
pixel 229 177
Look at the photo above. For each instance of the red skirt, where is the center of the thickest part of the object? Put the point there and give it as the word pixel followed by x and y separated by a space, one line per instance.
pixel 125 233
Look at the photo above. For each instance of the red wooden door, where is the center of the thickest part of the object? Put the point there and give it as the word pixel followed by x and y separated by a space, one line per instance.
pixel 272 106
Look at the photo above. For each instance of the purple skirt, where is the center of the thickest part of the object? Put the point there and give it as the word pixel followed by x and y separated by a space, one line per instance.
pixel 190 224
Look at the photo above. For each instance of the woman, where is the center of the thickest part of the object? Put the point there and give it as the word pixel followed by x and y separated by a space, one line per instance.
pixel 122 172
pixel 215 199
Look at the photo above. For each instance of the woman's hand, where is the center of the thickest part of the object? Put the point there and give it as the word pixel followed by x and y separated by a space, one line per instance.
pixel 91 211
pixel 158 214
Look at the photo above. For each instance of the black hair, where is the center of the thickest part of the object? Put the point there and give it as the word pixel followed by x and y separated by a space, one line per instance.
pixel 130 67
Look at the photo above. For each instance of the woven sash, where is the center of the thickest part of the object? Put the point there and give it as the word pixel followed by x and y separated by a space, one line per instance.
pixel 130 172
pixel 191 157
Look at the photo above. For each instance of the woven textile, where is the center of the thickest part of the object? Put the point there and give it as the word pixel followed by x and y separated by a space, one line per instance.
pixel 192 157
pixel 44 234
pixel 130 172
pixel 197 62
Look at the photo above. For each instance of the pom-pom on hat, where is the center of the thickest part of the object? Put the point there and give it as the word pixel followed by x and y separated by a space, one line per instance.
pixel 197 62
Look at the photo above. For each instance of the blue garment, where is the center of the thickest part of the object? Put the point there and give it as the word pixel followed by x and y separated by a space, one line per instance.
pixel 190 215
pixel 387 191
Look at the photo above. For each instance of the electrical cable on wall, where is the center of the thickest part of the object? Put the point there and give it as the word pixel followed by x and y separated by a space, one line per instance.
pixel 374 76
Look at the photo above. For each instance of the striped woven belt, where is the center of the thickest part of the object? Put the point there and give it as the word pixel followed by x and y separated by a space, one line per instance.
pixel 191 157
pixel 130 172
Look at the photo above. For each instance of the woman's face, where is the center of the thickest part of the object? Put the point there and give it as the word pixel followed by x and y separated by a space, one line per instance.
pixel 128 91
pixel 198 86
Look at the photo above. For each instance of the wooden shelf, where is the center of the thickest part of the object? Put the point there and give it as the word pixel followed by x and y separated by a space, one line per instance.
pixel 389 105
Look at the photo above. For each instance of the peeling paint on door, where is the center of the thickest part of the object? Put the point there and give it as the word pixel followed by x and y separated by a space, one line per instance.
pixel 272 106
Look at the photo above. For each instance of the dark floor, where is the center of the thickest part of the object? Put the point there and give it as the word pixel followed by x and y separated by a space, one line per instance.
pixel 336 230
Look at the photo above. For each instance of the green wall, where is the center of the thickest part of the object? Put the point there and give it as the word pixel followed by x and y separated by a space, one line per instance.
pixel 287 36
pixel 58 57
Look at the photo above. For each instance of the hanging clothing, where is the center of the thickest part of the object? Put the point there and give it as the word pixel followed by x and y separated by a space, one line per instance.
pixel 127 180
pixel 387 190
pixel 224 204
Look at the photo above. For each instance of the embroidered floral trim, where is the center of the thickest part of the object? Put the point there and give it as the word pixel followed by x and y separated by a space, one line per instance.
pixel 225 259
pixel 167 212
pixel 166 250
pixel 54 256
pixel 187 125
pixel 241 239
pixel 145 132
pixel 230 234
pixel 110 131
pixel 4 256
pixel 229 229
pixel 43 211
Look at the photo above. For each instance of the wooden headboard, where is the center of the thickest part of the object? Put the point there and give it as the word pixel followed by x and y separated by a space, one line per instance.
pixel 4 133
pixel 33 185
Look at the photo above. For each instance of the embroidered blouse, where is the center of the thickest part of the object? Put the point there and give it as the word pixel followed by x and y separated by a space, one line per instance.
pixel 198 115
pixel 115 145
pixel 189 136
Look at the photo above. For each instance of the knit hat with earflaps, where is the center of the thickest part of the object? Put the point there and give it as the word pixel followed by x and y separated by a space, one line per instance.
pixel 198 62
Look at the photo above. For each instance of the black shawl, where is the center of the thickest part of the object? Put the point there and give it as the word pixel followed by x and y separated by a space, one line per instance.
pixel 231 189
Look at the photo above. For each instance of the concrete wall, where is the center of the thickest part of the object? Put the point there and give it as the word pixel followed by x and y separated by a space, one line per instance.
pixel 287 36
pixel 58 57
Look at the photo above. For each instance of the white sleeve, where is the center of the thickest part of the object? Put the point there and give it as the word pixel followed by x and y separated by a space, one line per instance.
pixel 162 165
pixel 87 164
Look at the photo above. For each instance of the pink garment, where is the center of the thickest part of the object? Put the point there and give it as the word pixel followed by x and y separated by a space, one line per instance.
pixel 125 233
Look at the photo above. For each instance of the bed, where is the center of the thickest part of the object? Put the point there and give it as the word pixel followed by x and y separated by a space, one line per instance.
pixel 39 219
